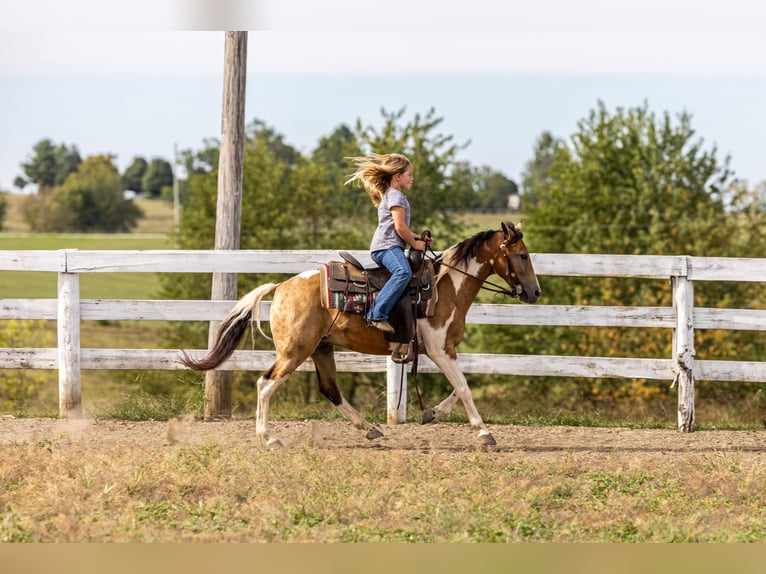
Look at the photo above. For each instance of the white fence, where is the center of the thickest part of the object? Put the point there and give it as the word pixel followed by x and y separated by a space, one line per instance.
pixel 683 318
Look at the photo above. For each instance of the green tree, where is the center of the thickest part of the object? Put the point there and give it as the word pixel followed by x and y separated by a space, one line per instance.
pixel 93 198
pixel 492 189
pixel 157 178
pixel 632 183
pixel 442 185
pixel 50 165
pixel 3 208
pixel 331 154
pixel 20 183
pixel 535 175
pixel 67 161
pixel 133 177
pixel 629 182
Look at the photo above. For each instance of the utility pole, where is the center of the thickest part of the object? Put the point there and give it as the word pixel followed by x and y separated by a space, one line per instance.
pixel 218 384
pixel 176 194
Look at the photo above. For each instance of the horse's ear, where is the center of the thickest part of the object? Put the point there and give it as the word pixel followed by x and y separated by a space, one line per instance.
pixel 504 227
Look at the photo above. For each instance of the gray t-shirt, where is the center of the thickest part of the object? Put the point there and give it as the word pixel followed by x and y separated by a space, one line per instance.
pixel 385 235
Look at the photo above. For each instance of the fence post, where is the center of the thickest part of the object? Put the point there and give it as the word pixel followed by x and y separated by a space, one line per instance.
pixel 683 348
pixel 396 392
pixel 68 326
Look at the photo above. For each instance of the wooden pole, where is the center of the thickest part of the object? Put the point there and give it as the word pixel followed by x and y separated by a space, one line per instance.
pixel 218 384
pixel 683 350
pixel 396 393
pixel 70 397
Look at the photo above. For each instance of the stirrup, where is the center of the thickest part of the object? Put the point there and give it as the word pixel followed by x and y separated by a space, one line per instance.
pixel 398 357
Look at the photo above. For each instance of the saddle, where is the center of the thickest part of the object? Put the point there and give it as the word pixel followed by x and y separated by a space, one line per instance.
pixel 351 287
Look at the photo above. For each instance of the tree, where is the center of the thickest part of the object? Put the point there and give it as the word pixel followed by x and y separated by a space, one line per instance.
pixel 492 189
pixel 442 183
pixel 133 177
pixel 633 183
pixel 50 165
pixel 536 172
pixel 20 183
pixel 158 177
pixel 628 182
pixel 333 149
pixel 331 154
pixel 67 161
pixel 93 198
pixel 3 208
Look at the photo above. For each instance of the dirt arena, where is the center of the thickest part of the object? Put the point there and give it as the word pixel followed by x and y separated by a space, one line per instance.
pixel 537 442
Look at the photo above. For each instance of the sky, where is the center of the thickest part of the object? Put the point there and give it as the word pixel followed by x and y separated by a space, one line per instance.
pixel 136 78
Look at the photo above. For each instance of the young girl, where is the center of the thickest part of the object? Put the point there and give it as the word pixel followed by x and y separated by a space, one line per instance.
pixel 384 177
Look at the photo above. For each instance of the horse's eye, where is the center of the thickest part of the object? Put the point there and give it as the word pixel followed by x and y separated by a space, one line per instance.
pixel 524 256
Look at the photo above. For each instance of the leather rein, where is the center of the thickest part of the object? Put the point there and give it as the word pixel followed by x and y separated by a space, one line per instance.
pixel 485 283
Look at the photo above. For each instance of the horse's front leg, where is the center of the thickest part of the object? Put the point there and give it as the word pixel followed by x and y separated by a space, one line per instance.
pixel 461 391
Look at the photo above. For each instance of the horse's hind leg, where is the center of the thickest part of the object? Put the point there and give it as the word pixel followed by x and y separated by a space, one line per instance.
pixel 324 361
pixel 267 384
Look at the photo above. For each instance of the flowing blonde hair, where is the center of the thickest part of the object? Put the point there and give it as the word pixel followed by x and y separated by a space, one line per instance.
pixel 375 172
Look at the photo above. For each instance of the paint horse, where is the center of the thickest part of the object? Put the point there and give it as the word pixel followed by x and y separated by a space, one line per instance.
pixel 301 327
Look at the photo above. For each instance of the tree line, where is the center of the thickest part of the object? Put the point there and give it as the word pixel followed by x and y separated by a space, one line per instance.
pixel 72 194
pixel 635 182
pixel 82 196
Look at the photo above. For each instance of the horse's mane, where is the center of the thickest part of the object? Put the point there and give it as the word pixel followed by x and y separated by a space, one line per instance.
pixel 458 255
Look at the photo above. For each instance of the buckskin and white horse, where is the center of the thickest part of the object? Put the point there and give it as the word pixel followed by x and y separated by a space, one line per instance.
pixel 301 327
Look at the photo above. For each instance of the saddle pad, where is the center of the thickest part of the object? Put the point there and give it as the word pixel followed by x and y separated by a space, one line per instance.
pixel 352 295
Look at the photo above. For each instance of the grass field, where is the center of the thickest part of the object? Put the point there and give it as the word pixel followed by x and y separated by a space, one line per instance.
pixel 150 234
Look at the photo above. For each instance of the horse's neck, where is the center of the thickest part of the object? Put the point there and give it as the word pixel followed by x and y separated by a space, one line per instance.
pixel 467 284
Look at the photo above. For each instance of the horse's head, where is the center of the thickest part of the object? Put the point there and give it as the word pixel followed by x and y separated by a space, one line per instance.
pixel 513 264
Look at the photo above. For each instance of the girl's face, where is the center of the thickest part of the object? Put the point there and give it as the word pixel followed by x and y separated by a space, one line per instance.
pixel 403 180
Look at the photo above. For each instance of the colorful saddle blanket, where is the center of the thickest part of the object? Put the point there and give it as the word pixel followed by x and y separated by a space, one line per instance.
pixel 352 290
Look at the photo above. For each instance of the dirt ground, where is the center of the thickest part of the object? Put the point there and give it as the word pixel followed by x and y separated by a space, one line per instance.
pixel 539 443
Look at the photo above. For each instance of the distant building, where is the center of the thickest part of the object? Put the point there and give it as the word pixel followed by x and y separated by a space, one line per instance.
pixel 514 201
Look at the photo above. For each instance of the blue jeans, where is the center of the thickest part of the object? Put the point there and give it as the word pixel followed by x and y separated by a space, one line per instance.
pixel 394 260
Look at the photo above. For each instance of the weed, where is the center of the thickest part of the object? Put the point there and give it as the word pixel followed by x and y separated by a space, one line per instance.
pixel 12 531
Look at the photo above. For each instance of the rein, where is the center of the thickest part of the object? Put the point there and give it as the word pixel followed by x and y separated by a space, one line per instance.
pixel 486 284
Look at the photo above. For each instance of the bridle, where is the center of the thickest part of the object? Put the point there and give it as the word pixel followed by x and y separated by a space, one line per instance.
pixel 514 235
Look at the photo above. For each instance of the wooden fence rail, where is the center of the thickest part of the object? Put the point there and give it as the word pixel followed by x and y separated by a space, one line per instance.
pixel 68 309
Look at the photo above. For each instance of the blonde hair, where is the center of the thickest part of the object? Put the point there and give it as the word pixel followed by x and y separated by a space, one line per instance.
pixel 375 172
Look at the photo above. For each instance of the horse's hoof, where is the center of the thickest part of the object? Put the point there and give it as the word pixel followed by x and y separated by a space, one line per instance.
pixel 429 416
pixel 274 443
pixel 373 433
pixel 486 440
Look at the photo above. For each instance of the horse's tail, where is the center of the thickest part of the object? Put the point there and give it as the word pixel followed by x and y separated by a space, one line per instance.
pixel 231 329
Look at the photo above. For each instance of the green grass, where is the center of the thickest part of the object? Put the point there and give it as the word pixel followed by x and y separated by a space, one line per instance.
pixel 118 241
pixel 33 285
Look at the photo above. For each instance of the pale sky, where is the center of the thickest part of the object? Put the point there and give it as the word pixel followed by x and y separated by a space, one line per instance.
pixel 136 77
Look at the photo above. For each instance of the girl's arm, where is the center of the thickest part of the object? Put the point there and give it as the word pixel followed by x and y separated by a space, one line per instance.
pixel 403 230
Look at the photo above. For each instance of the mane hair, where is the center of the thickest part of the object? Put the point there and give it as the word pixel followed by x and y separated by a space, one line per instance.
pixel 459 255
pixel 467 249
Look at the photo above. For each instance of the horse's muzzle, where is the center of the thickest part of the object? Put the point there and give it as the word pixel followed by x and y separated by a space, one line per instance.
pixel 527 297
